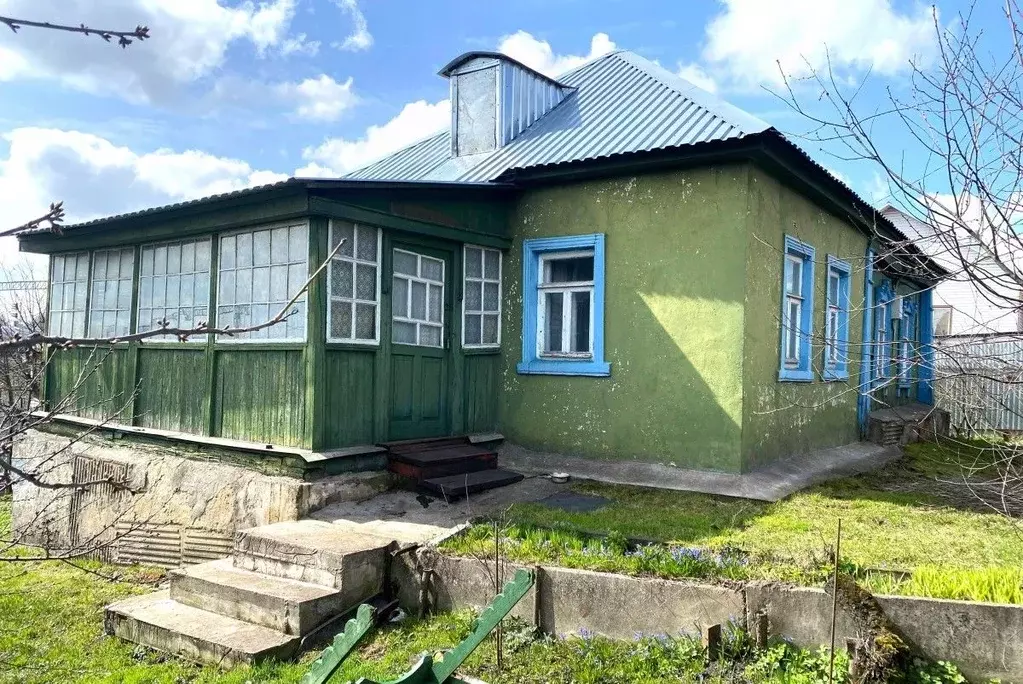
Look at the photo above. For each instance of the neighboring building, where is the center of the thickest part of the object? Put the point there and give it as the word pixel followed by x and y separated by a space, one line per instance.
pixel 962 307
pixel 613 264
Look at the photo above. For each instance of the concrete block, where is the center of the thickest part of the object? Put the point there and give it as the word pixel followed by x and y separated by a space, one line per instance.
pixel 157 621
pixel 467 583
pixel 620 607
pixel 316 552
pixel 284 605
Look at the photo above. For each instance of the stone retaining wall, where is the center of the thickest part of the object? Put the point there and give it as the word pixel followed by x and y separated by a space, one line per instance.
pixel 159 508
pixel 984 640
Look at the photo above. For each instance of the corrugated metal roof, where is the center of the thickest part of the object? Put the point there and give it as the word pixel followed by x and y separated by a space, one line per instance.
pixel 622 103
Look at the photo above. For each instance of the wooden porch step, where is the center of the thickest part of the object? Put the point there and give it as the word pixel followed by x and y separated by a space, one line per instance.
pixel 457 486
pixel 452 460
pixel 410 445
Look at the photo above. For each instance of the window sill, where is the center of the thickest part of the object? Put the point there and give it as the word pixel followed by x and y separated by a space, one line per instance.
pixel 835 375
pixel 795 375
pixel 566 367
pixel 481 351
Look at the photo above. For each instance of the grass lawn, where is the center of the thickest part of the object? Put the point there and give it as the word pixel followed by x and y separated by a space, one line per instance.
pixel 909 516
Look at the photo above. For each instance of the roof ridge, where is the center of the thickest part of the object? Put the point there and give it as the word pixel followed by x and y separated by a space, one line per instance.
pixel 740 118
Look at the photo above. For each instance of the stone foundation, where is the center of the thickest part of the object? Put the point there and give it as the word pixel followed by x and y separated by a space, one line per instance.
pixel 900 425
pixel 140 502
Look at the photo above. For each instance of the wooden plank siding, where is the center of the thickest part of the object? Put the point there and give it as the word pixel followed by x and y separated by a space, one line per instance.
pixel 260 396
pixel 314 395
pixel 170 389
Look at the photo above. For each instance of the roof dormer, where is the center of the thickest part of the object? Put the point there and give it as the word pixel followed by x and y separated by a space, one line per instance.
pixel 494 98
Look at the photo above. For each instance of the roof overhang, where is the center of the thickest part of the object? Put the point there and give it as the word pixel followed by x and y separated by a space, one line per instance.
pixel 774 153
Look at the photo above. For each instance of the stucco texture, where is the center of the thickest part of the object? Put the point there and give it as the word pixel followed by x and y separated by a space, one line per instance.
pixel 786 418
pixel 675 245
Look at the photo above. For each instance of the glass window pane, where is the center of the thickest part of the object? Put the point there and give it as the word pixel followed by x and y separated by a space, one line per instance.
pixel 833 288
pixel 366 282
pixel 173 258
pixel 432 269
pixel 571 270
pixel 473 296
pixel 187 291
pixel 473 262
pixel 403 333
pixel 242 286
pixel 56 268
pixel 295 323
pixel 261 248
pixel 298 248
pixel 553 323
pixel 341 278
pixel 405 263
pixel 472 329
pixel 227 252
pixel 261 284
pixel 124 295
pixel 279 284
pixel 429 335
pixel 202 289
pixel 436 295
pixel 80 291
pixel 490 298
pixel 340 320
pixel 244 247
pixel 296 278
pixel 56 292
pixel 187 257
pixel 491 262
pixel 490 329
pixel 366 247
pixel 226 295
pixel 342 231
pixel 174 290
pixel 100 266
pixel 418 301
pixel 279 246
pixel 399 297
pixel 202 255
pixel 580 321
pixel 365 321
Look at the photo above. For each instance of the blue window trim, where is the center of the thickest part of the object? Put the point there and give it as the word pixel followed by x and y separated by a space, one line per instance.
pixel 803 372
pixel 884 296
pixel 838 371
pixel 925 372
pixel 531 363
pixel 907 338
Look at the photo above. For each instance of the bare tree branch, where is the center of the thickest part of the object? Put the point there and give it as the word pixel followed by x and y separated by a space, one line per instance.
pixel 124 38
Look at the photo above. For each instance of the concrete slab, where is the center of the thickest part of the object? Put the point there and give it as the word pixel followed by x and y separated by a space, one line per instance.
pixel 312 551
pixel 412 518
pixel 284 605
pixel 772 483
pixel 157 621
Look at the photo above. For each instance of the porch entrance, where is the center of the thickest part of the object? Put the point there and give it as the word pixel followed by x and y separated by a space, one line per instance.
pixel 420 352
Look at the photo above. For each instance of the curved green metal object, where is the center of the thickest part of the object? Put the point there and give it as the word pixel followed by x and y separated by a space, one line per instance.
pixel 330 660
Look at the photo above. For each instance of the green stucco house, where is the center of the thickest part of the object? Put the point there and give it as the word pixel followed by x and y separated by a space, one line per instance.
pixel 613 264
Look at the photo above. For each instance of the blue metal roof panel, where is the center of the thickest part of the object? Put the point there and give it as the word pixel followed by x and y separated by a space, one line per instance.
pixel 622 103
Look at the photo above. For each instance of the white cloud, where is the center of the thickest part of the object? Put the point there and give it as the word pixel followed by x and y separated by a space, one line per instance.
pixel 319 99
pixel 696 75
pixel 94 177
pixel 750 38
pixel 539 55
pixel 189 40
pixel 337 156
pixel 300 45
pixel 360 38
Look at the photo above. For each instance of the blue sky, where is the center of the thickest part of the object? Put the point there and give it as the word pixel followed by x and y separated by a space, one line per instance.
pixel 228 94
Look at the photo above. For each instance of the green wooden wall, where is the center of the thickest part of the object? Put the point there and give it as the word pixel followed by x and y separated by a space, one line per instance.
pixel 482 380
pixel 260 396
pixel 350 407
pixel 171 389
pixel 93 383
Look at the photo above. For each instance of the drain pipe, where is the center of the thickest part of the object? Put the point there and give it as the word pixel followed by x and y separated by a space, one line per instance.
pixel 866 354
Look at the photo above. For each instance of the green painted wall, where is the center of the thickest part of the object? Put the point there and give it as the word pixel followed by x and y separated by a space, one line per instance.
pixel 260 396
pixel 784 418
pixel 350 381
pixel 171 391
pixel 482 389
pixel 675 245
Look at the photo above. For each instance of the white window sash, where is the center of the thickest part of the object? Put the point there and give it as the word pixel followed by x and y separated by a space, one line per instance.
pixel 793 356
pixel 427 282
pixel 483 280
pixel 354 300
pixel 567 315
pixel 195 273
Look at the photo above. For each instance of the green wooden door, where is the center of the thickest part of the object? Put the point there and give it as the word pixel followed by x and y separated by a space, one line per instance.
pixel 420 353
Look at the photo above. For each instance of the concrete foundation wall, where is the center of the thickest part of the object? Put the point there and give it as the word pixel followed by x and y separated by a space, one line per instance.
pixel 984 640
pixel 159 508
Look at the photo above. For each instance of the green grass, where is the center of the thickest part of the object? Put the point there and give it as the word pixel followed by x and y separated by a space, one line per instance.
pixel 51 631
pixel 900 518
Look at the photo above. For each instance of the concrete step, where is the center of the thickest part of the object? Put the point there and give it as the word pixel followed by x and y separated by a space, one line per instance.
pixel 284 605
pixel 317 552
pixel 457 486
pixel 157 621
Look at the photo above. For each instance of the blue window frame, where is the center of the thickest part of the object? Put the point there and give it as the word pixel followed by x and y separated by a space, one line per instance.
pixel 884 297
pixel 796 311
pixel 563 306
pixel 836 321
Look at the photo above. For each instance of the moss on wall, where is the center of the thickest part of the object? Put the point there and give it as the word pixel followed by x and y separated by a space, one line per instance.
pixel 675 245
pixel 785 418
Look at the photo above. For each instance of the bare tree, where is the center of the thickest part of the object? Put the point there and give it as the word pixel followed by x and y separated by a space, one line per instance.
pixel 124 38
pixel 958 180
